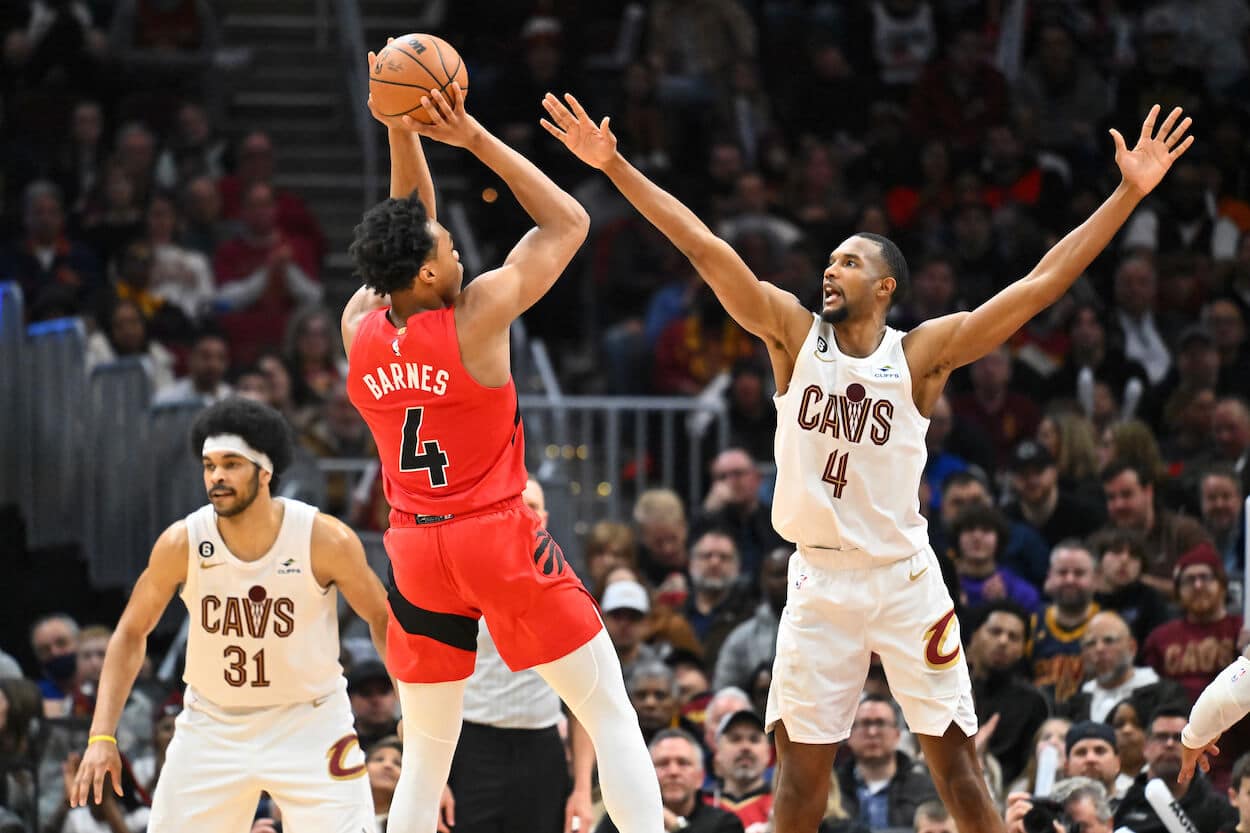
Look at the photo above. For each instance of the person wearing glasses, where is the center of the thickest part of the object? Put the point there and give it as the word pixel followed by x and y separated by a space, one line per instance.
pixel 881 785
pixel 1207 808
pixel 1108 650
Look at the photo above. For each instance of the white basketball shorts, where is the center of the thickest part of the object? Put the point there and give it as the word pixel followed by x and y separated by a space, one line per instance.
pixel 840 609
pixel 305 756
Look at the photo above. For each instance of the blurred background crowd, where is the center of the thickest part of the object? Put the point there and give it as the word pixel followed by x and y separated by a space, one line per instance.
pixel 178 180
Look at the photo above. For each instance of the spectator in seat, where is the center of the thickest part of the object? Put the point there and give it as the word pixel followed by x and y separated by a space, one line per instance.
pixel 1206 808
pixel 733 504
pixel 881 785
pixel 624 605
pixel 1092 753
pixel 314 351
pixel 1003 415
pixel 204 228
pixel 678 764
pixel 717 602
pixel 662 534
pixel 608 545
pixel 181 276
pixel 1000 689
pixel 122 332
pixel 54 640
pixel 1121 555
pixel 384 763
pixel 740 758
pixel 1131 504
pixel 207 366
pixel 374 702
pixel 1041 503
pixel 134 275
pixel 1109 652
pixel 291 215
pixel 1221 499
pixel 193 150
pixel 980 535
pixel 263 274
pixel 53 269
pixel 1055 644
pixel 755 641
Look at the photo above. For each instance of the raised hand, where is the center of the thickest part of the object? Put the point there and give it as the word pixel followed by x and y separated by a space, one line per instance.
pixel 1144 166
pixel 596 146
pixel 450 124
pixel 397 122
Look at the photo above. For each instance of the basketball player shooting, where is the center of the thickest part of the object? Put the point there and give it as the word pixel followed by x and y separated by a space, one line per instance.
pixel 429 370
pixel 266 703
pixel 853 399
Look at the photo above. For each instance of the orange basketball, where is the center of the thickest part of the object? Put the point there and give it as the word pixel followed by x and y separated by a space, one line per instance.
pixel 410 67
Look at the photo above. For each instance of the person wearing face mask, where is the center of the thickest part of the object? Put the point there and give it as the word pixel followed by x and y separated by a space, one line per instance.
pixel 54 639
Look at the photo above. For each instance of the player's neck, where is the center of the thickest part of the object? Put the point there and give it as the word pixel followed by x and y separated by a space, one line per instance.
pixel 382 801
pixel 251 533
pixel 404 305
pixel 859 339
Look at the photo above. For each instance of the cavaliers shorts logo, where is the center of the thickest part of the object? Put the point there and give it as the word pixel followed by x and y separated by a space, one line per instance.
pixel 548 556
pixel 337 754
pixel 934 637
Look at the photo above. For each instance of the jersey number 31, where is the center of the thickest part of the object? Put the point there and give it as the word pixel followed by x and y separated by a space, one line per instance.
pixel 418 455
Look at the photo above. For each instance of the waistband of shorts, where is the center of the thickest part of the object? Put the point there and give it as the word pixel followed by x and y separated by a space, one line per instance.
pixel 849 559
pixel 408 519
pixel 510 731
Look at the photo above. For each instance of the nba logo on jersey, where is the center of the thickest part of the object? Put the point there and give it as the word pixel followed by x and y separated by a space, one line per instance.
pixel 798 582
pixel 395 346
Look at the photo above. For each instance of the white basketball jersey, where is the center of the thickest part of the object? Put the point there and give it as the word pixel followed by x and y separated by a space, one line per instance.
pixel 850 450
pixel 262 633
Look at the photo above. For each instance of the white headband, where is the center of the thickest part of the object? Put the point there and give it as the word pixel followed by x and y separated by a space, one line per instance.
pixel 234 444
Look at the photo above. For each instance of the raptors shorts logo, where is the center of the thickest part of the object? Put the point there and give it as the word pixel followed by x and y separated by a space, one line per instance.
pixel 548 557
pixel 934 637
pixel 337 754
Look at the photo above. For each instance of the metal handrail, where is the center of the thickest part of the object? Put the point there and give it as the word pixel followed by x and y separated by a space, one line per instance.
pixel 352 41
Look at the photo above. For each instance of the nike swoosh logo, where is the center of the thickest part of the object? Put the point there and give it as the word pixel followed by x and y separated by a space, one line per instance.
pixel 204 566
pixel 914 576
pixel 317 703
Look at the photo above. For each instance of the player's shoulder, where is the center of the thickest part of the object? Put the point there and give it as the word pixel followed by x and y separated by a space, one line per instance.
pixel 328 531
pixel 175 537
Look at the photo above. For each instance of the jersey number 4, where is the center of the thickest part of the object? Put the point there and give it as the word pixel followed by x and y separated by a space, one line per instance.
pixel 416 455
pixel 835 472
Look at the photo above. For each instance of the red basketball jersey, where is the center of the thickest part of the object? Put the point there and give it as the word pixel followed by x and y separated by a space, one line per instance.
pixel 448 444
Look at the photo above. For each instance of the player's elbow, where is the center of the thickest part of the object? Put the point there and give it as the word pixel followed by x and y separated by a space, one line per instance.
pixel 700 247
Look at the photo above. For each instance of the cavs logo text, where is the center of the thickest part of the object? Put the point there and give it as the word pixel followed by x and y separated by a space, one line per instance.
pixel 337 755
pixel 935 636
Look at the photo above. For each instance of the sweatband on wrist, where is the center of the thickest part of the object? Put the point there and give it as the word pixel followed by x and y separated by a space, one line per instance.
pixel 105 738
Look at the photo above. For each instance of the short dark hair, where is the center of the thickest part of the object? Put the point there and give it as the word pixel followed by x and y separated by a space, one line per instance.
pixel 1117 467
pixel 681 734
pixel 979 516
pixel 1241 771
pixel 1115 539
pixel 963 478
pixel 979 615
pixel 1172 708
pixel 895 264
pixel 261 426
pixel 391 243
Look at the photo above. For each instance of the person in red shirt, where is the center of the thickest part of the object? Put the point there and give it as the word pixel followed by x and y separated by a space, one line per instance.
pixel 1194 649
pixel 429 372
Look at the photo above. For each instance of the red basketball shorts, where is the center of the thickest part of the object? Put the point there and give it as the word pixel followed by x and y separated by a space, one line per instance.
pixel 498 563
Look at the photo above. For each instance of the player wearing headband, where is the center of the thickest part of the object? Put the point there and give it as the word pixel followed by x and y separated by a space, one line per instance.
pixel 260 576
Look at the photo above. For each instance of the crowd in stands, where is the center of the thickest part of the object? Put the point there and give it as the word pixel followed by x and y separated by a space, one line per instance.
pixel 1085 483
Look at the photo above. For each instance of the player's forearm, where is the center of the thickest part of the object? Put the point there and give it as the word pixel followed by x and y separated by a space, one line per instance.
pixel 1224 702
pixel 377 632
pixel 122 662
pixel 549 205
pixel 664 211
pixel 409 169
pixel 1070 257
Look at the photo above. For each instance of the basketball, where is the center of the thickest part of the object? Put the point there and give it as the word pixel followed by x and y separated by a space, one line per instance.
pixel 413 66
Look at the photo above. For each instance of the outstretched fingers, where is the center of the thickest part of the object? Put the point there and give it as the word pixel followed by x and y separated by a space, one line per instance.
pixel 1148 126
pixel 553 130
pixel 577 108
pixel 1174 138
pixel 1169 123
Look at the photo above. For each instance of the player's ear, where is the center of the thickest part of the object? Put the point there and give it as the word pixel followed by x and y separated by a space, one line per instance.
pixel 265 477
pixel 428 273
pixel 887 286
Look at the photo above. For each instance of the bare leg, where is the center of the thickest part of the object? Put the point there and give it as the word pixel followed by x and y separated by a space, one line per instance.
pixel 956 770
pixel 802 789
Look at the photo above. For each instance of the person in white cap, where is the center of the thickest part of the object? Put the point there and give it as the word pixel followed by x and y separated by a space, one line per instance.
pixel 266 704
pixel 625 604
